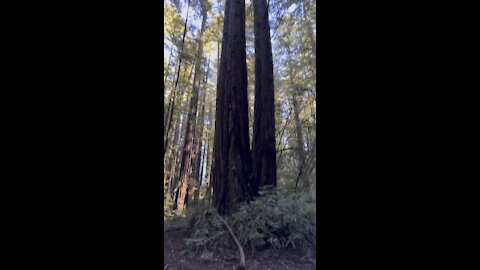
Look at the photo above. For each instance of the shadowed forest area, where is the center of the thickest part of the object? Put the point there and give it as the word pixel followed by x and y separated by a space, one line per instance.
pixel 240 134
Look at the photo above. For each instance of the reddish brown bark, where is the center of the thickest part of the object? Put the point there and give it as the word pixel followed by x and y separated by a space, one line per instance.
pixel 186 164
pixel 232 160
pixel 177 154
pixel 263 147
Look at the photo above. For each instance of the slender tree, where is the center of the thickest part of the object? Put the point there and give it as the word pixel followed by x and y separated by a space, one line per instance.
pixel 308 24
pixel 168 67
pixel 171 104
pixel 298 130
pixel 178 150
pixel 209 158
pixel 185 165
pixel 198 147
pixel 296 112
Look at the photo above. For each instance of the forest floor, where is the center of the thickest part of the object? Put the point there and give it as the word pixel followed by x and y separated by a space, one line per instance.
pixel 227 259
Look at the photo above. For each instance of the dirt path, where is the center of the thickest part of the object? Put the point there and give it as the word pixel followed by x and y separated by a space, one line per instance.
pixel 174 260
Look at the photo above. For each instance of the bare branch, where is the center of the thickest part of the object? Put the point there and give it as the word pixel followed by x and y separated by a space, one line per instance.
pixel 286 149
pixel 240 249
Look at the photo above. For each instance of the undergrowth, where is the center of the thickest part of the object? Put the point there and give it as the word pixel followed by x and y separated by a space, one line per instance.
pixel 278 219
pixel 168 211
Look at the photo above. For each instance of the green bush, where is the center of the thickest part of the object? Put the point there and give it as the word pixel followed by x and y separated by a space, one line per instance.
pixel 278 219
pixel 168 211
pixel 204 227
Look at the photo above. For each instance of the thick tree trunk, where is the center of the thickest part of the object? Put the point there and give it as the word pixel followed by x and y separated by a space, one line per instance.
pixel 263 148
pixel 186 164
pixel 232 168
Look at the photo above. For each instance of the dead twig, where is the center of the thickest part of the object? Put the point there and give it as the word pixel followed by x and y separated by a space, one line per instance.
pixel 174 229
pixel 286 149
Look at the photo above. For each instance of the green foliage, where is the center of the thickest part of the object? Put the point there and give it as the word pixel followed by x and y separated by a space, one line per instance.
pixel 205 228
pixel 167 205
pixel 278 219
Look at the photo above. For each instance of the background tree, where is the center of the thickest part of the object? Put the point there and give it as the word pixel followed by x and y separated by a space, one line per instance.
pixel 171 102
pixel 293 30
pixel 186 163
pixel 199 146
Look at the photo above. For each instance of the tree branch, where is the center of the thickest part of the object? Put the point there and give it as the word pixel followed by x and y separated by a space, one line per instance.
pixel 287 121
pixel 286 149
pixel 240 249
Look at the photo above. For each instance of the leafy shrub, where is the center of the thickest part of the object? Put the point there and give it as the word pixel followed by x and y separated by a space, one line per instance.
pixel 278 219
pixel 168 211
pixel 205 228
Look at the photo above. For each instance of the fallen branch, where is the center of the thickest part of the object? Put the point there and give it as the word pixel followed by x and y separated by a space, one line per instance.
pixel 286 149
pixel 174 229
pixel 240 249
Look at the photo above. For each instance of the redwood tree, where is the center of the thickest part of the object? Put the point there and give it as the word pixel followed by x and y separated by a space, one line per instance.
pixel 186 164
pixel 263 149
pixel 232 155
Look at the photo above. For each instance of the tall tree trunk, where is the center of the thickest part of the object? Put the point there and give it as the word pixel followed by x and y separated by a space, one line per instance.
pixel 198 146
pixel 171 104
pixel 302 157
pixel 182 114
pixel 177 133
pixel 263 148
pixel 168 66
pixel 169 151
pixel 202 161
pixel 298 131
pixel 164 84
pixel 185 165
pixel 218 56
pixel 232 168
pixel 173 150
pixel 178 153
pixel 312 42
pixel 298 127
pixel 311 35
pixel 209 157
